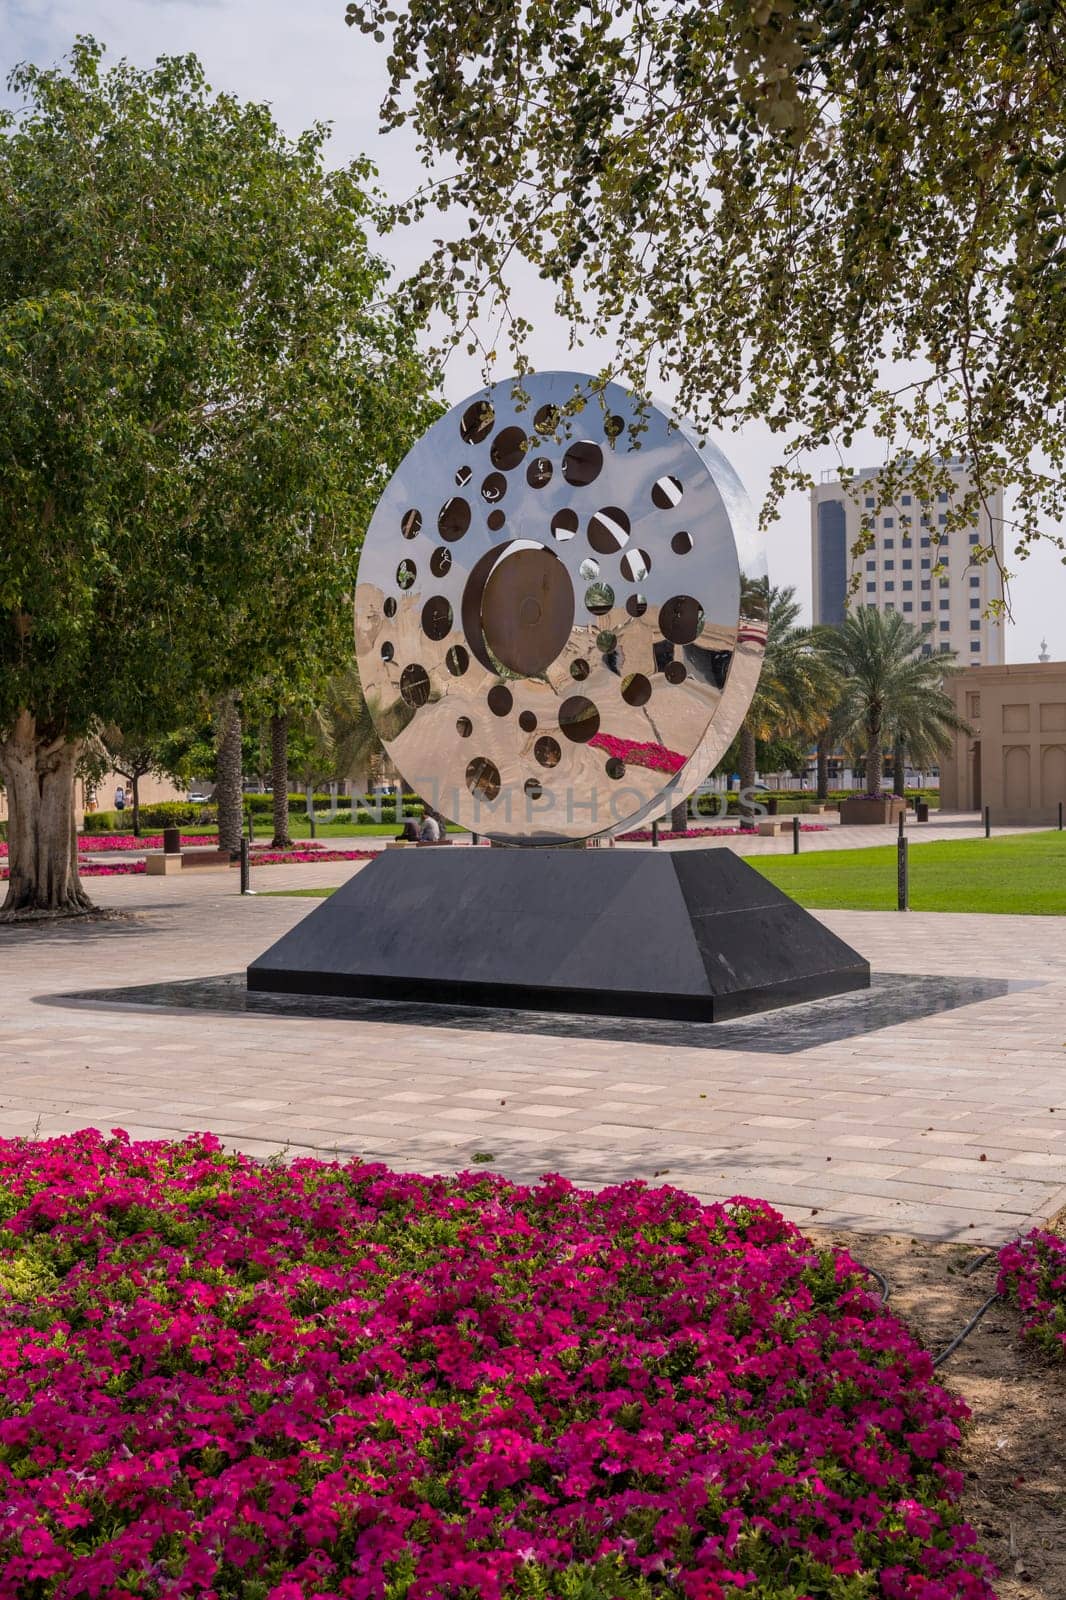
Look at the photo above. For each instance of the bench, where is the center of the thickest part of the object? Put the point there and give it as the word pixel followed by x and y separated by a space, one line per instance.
pixel 161 865
pixel 771 827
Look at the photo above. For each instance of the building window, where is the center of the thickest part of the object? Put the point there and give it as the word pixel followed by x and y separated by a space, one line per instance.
pixel 927 605
pixel 925 541
pixel 975 603
pixel 945 627
pixel 942 518
pixel 925 583
pixel 888 544
pixel 869 502
pixel 871 566
pixel 944 648
pixel 908 605
pixel 927 649
pixel 942 498
pixel 926 563
pixel 975 644
pixel 890 566
pixel 945 605
pixel 871 588
pixel 908 583
pixel 888 522
pixel 907 563
pixel 890 586
pixel 975 582
pixel 975 538
pixel 904 499
pixel 890 606
pixel 906 541
pixel 925 524
pixel 975 627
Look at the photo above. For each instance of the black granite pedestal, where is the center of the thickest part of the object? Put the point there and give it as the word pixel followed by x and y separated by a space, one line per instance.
pixel 689 935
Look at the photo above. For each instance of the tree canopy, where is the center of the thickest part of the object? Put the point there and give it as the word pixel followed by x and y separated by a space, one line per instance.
pixel 823 214
pixel 202 390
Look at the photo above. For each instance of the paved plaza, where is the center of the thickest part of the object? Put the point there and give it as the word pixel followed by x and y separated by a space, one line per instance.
pixel 949 1125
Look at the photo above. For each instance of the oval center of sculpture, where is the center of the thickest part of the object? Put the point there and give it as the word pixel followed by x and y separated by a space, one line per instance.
pixel 527 609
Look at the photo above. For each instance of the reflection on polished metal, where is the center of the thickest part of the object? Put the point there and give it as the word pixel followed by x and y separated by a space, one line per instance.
pixel 598 544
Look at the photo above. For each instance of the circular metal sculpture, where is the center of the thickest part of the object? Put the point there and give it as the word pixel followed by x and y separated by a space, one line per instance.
pixel 560 612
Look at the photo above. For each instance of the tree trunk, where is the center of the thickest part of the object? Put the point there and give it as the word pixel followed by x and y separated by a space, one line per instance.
pixel 899 769
pixel 746 765
pixel 823 767
pixel 874 757
pixel 135 790
pixel 279 777
pixel 679 817
pixel 38 774
pixel 228 791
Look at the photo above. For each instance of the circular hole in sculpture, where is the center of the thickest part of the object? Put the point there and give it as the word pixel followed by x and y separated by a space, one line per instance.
pixel 437 617
pixel 440 562
pixel 599 598
pixel 608 530
pixel 681 619
pixel 582 463
pixel 494 488
pixel 547 751
pixel 636 689
pixel 500 700
pixel 387 651
pixel 579 669
pixel 533 788
pixel 667 492
pixel 457 660
pixel 477 422
pixel 681 544
pixel 606 641
pixel 578 719
pixel 613 426
pixel 589 568
pixel 508 448
pixel 463 476
pixel 539 472
pixel 389 607
pixel 483 778
pixel 464 727
pixel 405 573
pixel 414 685
pixel 637 604
pixel 527 721
pixel 496 520
pixel 410 523
pixel 635 565
pixel 615 768
pixel 564 524
pixel 675 672
pixel 547 419
pixel 454 519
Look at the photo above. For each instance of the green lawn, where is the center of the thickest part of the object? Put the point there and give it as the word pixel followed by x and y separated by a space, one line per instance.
pixel 295 894
pixel 1023 873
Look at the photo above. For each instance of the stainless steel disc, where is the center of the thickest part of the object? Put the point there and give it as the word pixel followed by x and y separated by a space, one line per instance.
pixel 560 617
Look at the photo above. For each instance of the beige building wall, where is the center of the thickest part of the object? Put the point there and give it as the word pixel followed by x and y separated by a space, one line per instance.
pixel 1015 761
pixel 896 572
pixel 151 791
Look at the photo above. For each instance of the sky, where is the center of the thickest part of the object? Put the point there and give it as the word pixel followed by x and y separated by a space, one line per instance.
pixel 303 60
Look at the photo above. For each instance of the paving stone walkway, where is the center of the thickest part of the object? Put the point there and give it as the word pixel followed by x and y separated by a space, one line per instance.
pixel 952 1125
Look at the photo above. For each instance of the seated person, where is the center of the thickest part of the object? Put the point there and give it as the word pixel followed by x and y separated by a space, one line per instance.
pixel 410 832
pixel 429 832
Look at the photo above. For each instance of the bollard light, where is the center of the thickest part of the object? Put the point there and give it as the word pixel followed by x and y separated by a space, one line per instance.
pixel 902 876
pixel 795 835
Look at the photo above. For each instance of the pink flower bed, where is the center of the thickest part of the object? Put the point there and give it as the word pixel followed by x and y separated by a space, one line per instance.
pixel 655 756
pixel 103 842
pixel 1032 1273
pixel 642 834
pixel 233 1379
pixel 261 858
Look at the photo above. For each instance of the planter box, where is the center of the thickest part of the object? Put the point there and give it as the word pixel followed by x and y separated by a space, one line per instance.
pixel 862 810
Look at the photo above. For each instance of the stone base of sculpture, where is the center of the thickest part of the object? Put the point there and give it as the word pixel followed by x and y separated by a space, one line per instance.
pixel 687 935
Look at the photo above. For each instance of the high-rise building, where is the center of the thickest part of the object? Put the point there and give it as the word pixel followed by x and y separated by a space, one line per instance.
pixel 896 572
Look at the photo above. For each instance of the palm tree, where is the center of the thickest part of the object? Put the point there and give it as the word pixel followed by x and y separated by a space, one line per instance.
pixel 793 687
pixel 889 691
